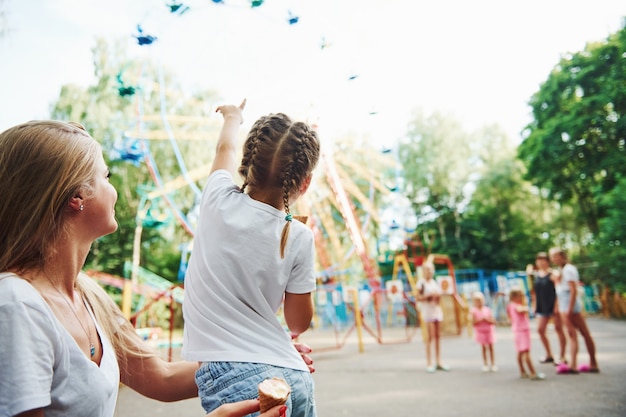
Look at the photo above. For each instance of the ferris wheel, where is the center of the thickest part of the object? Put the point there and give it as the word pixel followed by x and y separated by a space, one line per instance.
pixel 177 151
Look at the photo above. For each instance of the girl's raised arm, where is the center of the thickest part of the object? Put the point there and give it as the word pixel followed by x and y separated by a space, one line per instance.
pixel 226 149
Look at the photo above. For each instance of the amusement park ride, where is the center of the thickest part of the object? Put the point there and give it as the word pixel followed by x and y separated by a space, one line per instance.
pixel 339 212
pixel 342 205
pixel 455 308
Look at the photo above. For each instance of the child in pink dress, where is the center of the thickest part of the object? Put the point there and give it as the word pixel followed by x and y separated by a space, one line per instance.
pixel 520 324
pixel 484 329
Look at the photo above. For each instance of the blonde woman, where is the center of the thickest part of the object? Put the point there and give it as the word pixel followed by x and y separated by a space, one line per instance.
pixel 64 344
pixel 571 314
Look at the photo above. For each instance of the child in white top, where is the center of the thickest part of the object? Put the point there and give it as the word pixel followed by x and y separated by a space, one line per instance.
pixel 249 257
pixel 431 314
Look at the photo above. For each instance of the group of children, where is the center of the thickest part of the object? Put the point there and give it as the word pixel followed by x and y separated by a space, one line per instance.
pixel 554 297
pixel 484 322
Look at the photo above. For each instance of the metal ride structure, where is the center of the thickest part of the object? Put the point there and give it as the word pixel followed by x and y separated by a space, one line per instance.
pixel 342 205
pixel 159 133
pixel 176 141
pixel 453 305
pixel 344 213
pixel 342 208
pixel 165 195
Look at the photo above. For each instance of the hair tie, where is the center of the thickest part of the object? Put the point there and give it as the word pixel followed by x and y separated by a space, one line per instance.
pixel 288 217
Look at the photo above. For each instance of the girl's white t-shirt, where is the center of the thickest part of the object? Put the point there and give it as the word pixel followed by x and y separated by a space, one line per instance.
pixel 430 310
pixel 41 366
pixel 236 280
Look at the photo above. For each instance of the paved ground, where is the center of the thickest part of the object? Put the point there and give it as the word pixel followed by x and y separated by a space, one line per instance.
pixel 390 380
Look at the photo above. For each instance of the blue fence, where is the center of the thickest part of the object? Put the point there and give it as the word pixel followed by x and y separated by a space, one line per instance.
pixel 489 282
pixel 332 310
pixel 334 307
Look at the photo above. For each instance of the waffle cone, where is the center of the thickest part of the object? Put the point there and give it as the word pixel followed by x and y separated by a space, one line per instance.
pixel 269 399
pixel 267 402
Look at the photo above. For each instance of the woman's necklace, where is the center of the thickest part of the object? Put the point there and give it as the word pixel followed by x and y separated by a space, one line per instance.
pixel 92 347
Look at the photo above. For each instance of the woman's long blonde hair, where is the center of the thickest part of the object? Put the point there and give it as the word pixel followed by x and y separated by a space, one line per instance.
pixel 43 164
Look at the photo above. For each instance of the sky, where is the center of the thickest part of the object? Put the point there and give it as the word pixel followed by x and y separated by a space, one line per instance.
pixel 478 61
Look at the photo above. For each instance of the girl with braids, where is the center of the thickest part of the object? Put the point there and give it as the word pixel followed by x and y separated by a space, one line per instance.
pixel 249 257
pixel 64 344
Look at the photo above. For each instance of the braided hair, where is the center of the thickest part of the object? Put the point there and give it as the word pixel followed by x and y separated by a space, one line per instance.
pixel 281 153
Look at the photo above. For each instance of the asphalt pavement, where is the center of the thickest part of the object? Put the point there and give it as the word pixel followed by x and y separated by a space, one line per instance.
pixel 390 378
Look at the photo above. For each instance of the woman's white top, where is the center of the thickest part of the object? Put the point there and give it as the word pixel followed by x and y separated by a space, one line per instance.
pixel 569 273
pixel 430 310
pixel 41 366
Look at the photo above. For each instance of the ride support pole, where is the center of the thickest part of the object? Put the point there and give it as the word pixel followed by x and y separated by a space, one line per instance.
pixel 357 318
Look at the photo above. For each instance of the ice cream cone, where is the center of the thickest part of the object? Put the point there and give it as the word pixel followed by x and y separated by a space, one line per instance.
pixel 273 392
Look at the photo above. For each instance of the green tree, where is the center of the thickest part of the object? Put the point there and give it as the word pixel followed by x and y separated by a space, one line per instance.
pixel 502 220
pixel 443 164
pixel 494 229
pixel 118 118
pixel 508 220
pixel 576 144
pixel 609 249
pixel 437 162
pixel 575 149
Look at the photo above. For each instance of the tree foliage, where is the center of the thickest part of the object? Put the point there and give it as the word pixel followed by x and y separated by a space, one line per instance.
pixel 499 234
pixel 498 220
pixel 576 144
pixel 575 147
pixel 109 116
pixel 438 163
pixel 609 250
pixel 468 191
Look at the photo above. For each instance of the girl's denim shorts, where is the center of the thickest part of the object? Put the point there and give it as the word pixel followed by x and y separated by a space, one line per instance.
pixel 227 382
